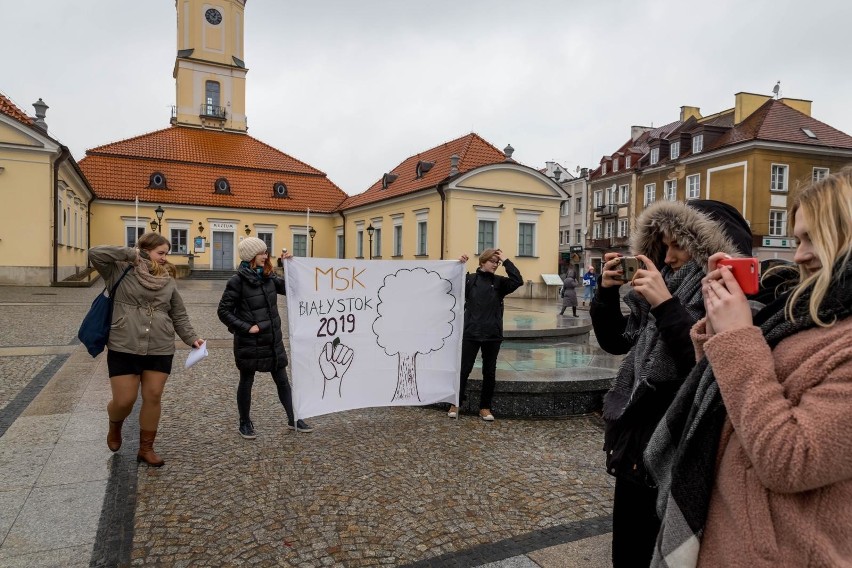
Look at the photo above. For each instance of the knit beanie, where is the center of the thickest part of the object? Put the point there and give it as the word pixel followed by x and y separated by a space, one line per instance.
pixel 250 247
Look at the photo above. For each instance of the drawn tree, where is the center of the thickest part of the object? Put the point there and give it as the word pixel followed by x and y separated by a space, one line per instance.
pixel 415 316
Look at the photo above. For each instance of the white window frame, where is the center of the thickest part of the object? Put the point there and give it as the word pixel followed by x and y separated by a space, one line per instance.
pixel 624 193
pixel 779 182
pixel 340 244
pixel 612 195
pixel 655 155
pixel 777 222
pixel 670 190
pixel 650 191
pixel 627 159
pixel 674 150
pixel 359 239
pixel 603 169
pixel 298 235
pixel 819 173
pixel 377 236
pixel 614 165
pixel 527 217
pixel 565 208
pixel 598 198
pixel 622 227
pixel 597 230
pixel 260 229
pixel 693 186
pixel 578 205
pixel 609 229
pixel 181 225
pixel 422 236
pixel 487 213
pixel 578 234
pixel 397 235
pixel 128 224
pixel 697 143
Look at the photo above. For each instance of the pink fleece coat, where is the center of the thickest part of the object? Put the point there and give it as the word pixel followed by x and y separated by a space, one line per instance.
pixel 783 490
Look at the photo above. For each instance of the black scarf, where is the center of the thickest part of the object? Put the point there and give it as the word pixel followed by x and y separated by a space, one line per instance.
pixel 681 455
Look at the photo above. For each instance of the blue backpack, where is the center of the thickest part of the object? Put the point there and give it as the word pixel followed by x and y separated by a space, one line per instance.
pixel 94 331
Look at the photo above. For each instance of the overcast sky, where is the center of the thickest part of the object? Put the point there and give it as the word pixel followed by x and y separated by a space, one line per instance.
pixel 353 87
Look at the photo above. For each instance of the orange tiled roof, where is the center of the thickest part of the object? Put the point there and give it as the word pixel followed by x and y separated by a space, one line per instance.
pixel 193 159
pixel 774 121
pixel 9 108
pixel 472 150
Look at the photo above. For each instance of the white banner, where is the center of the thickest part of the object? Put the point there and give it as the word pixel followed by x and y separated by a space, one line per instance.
pixel 373 332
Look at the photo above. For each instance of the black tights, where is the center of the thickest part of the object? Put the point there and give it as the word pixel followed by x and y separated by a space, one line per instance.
pixel 281 383
pixel 573 309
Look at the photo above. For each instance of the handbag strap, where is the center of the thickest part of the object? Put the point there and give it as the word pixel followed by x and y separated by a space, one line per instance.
pixel 115 286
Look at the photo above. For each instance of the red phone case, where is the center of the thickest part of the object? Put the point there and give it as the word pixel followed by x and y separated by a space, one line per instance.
pixel 746 271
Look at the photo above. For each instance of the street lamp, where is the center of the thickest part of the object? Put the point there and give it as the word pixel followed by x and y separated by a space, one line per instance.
pixel 370 231
pixel 159 211
pixel 154 225
pixel 248 231
pixel 312 232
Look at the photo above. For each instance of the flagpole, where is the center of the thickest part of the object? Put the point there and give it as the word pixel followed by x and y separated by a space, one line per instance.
pixel 136 224
pixel 307 225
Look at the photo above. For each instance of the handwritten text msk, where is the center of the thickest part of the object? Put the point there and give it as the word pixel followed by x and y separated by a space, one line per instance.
pixel 339 279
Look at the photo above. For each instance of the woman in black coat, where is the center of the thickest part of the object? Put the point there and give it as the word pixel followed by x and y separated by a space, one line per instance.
pixel 249 307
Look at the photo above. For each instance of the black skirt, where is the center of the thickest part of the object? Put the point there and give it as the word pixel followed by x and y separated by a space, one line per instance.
pixel 120 363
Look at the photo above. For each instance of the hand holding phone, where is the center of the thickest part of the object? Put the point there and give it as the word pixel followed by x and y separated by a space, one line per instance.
pixel 629 266
pixel 746 271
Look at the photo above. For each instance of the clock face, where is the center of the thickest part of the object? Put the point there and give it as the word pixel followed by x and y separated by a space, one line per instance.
pixel 213 16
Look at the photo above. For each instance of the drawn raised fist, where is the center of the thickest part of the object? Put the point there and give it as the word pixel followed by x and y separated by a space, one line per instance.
pixel 334 361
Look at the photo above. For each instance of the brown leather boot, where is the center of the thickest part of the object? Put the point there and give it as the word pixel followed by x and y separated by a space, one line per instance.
pixel 146 449
pixel 114 435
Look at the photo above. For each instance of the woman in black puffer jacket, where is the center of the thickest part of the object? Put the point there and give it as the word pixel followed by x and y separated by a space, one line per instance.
pixel 249 307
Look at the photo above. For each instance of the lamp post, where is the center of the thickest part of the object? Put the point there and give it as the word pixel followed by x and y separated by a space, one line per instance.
pixel 312 232
pixel 370 231
pixel 159 212
pixel 154 225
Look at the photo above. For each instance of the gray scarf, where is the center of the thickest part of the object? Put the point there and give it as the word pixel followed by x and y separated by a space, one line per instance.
pixel 649 362
pixel 148 280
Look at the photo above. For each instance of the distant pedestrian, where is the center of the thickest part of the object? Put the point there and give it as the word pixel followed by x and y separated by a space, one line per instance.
pixel 569 292
pixel 590 282
pixel 483 323
pixel 147 312
pixel 249 307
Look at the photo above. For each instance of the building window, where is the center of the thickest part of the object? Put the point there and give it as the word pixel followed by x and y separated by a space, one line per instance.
pixel 627 160
pixel 650 193
pixel 622 227
pixel 693 186
pixel 578 236
pixel 820 173
pixel 485 235
pixel 674 150
pixel 598 230
pixel 777 223
pixel 377 242
pixel 341 245
pixel 421 238
pixel 625 193
pixel 670 190
pixel 565 208
pixel 610 227
pixel 615 165
pixel 526 239
pixel 655 155
pixel 266 237
pixel 613 195
pixel 603 169
pixel 578 205
pixel 211 98
pixel 300 245
pixel 778 181
pixel 697 143
pixel 131 235
pixel 397 240
pixel 359 244
pixel 179 244
pixel 598 199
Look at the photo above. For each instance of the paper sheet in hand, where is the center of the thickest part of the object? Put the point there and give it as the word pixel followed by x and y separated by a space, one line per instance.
pixel 196 355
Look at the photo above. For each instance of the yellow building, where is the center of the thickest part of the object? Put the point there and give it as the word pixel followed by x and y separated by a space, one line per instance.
pixel 204 182
pixel 460 197
pixel 44 221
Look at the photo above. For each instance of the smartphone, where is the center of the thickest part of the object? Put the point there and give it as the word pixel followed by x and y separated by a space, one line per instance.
pixel 629 266
pixel 746 271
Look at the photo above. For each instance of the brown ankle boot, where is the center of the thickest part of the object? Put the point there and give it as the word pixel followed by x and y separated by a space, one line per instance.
pixel 114 435
pixel 146 449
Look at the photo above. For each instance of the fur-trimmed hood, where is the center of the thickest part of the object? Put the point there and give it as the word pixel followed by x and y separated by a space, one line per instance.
pixel 702 227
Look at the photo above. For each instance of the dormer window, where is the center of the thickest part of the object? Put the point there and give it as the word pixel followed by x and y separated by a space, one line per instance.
pixel 222 186
pixel 279 189
pixel 423 168
pixel 655 155
pixel 674 150
pixel 697 143
pixel 614 165
pixel 388 179
pixel 157 181
pixel 603 169
pixel 627 160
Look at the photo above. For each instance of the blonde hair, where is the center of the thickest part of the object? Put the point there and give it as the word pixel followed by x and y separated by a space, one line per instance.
pixel 147 243
pixel 827 206
pixel 487 255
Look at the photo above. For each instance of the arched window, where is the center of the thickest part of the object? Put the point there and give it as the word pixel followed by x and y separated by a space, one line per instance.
pixel 157 181
pixel 212 106
pixel 222 186
pixel 279 189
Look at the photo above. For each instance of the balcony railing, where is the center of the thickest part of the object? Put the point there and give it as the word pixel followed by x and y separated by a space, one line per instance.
pixel 609 210
pixel 598 243
pixel 620 242
pixel 212 111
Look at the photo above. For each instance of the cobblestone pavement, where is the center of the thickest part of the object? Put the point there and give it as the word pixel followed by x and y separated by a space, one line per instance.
pixel 375 487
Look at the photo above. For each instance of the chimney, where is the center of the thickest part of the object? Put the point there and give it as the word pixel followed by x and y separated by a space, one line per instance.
pixel 637 131
pixel 40 112
pixel 508 151
pixel 687 112
pixel 584 173
pixel 454 164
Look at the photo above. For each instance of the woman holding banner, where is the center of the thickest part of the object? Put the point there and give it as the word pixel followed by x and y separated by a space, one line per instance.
pixel 249 307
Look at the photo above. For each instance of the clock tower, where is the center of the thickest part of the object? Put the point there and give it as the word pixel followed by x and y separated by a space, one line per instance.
pixel 210 73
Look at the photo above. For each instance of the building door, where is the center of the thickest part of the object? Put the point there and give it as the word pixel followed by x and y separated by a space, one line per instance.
pixel 223 250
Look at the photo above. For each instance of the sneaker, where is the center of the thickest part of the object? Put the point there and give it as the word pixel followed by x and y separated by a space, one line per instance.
pixel 486 415
pixel 301 426
pixel 247 430
pixel 454 411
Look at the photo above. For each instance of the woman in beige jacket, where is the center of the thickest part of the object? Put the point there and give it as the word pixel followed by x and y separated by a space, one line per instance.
pixel 147 312
pixel 780 490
